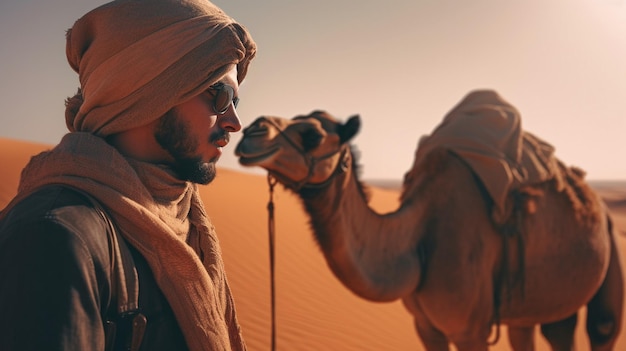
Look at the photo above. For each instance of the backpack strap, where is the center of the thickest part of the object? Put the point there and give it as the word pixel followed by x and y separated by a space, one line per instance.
pixel 124 290
pixel 125 280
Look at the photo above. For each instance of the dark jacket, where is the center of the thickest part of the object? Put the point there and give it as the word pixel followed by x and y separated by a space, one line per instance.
pixel 56 281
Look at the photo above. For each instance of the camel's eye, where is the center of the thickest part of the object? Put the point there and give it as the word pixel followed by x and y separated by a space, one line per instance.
pixel 311 139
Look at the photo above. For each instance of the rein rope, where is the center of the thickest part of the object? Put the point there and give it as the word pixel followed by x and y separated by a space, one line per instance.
pixel 271 181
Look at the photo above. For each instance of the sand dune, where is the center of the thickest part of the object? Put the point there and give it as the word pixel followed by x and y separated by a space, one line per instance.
pixel 314 311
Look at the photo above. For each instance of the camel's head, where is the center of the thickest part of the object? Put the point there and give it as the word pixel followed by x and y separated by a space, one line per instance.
pixel 303 150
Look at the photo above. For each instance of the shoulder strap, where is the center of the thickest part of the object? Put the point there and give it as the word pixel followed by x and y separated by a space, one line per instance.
pixel 124 282
pixel 125 285
pixel 125 279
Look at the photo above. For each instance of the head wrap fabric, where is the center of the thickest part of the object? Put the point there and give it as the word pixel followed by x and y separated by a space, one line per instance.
pixel 136 59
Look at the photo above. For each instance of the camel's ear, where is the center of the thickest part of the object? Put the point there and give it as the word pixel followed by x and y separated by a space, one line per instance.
pixel 349 129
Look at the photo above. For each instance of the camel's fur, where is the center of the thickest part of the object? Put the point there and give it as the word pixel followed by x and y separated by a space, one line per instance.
pixel 455 269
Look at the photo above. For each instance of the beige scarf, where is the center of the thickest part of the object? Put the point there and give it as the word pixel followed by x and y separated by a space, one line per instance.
pixel 160 216
pixel 136 60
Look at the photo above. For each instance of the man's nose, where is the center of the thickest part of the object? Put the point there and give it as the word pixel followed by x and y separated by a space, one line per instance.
pixel 230 121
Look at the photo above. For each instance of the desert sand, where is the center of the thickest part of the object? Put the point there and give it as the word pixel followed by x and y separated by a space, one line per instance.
pixel 313 310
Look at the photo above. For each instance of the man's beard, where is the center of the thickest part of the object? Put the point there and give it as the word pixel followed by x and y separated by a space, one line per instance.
pixel 173 136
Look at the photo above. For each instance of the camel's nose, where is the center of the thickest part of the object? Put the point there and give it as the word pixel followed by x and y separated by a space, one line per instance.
pixel 257 128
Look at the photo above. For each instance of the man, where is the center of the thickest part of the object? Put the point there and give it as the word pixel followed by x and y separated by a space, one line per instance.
pixel 159 85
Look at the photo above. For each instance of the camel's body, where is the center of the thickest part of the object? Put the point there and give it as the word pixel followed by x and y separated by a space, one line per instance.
pixel 440 252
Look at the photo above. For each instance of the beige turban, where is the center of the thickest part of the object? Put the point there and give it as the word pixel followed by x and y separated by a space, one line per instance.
pixel 138 59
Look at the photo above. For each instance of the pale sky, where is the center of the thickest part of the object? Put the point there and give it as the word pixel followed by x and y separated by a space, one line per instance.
pixel 400 64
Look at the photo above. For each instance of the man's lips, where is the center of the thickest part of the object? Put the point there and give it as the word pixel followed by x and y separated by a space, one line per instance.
pixel 222 140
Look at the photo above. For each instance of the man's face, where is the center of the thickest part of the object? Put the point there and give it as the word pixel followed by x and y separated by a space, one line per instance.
pixel 193 133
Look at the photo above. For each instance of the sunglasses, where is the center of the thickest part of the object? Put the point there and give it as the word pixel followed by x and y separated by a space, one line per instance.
pixel 223 96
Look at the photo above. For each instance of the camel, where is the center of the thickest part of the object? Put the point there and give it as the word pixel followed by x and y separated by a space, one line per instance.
pixel 458 269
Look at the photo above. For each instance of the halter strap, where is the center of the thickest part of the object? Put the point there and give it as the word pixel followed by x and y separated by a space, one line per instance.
pixel 311 161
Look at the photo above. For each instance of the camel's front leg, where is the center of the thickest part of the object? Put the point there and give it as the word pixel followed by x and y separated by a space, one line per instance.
pixel 472 339
pixel 432 338
pixel 522 338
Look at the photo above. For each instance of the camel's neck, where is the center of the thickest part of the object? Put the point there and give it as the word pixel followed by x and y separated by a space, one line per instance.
pixel 373 255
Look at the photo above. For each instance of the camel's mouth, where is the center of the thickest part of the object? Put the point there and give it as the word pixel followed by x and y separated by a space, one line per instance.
pixel 255 131
pixel 253 159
